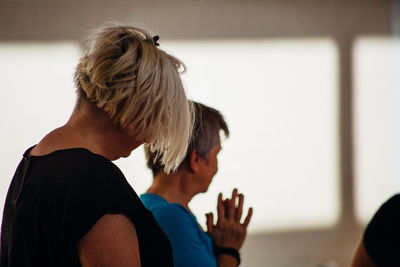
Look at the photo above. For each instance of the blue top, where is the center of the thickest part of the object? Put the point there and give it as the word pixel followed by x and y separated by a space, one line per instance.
pixel 191 246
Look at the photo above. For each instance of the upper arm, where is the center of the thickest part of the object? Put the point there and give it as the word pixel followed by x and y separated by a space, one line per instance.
pixel 112 241
pixel 361 258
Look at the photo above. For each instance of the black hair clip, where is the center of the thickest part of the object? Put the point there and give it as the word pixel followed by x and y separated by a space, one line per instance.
pixel 155 39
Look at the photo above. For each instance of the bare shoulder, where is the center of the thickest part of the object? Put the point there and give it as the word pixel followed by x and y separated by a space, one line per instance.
pixel 112 241
pixel 57 139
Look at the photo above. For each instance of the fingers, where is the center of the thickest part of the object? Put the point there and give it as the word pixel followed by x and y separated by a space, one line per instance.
pixel 234 193
pixel 231 205
pixel 248 217
pixel 239 208
pixel 210 221
pixel 229 210
pixel 220 208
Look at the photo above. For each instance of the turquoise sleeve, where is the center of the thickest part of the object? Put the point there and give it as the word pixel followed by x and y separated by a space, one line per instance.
pixel 191 246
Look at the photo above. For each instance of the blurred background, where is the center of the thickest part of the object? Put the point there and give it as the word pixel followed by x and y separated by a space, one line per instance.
pixel 307 87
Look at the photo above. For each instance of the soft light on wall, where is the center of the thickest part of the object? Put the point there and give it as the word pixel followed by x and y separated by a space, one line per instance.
pixel 376 101
pixel 279 98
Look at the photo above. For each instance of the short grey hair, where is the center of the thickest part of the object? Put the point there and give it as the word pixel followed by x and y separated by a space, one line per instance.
pixel 206 134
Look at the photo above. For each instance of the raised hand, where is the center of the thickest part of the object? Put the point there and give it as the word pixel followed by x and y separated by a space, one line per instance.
pixel 229 231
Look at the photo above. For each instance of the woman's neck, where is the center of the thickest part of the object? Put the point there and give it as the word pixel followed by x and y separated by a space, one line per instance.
pixel 90 128
pixel 172 187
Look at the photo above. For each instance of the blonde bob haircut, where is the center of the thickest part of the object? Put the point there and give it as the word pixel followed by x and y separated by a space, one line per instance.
pixel 139 87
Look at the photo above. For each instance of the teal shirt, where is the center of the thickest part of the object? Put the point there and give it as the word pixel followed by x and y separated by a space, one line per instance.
pixel 191 246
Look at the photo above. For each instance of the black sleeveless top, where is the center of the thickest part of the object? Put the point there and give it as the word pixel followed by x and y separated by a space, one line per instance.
pixel 58 200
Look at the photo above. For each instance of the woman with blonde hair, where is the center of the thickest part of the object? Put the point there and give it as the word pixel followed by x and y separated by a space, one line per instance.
pixel 68 204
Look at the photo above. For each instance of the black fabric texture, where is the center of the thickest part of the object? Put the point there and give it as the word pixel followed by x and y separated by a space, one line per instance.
pixel 62 196
pixel 382 235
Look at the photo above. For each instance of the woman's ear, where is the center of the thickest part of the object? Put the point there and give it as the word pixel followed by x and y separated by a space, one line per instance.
pixel 194 161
